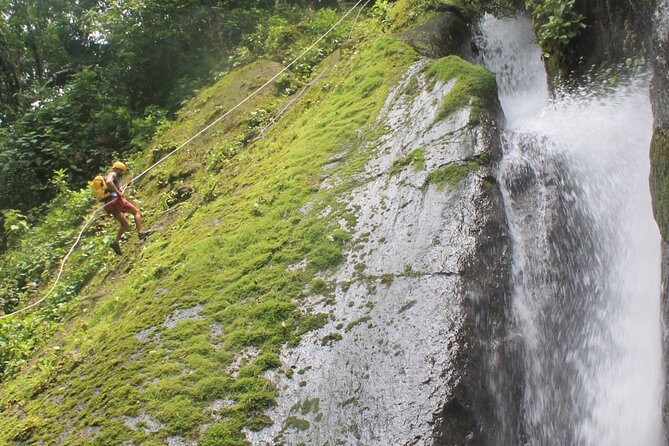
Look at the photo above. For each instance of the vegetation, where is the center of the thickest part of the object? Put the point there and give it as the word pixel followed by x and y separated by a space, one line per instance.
pixel 174 339
pixel 416 159
pixel 556 22
pixel 453 173
pixel 659 155
pixel 474 85
pixel 83 82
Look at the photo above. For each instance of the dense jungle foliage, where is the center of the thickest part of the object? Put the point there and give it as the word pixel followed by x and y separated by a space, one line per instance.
pixel 87 81
pixel 83 81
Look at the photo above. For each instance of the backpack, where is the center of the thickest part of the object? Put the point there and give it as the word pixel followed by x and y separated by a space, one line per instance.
pixel 99 188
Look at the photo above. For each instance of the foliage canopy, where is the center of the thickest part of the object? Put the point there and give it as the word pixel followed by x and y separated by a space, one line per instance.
pixel 82 82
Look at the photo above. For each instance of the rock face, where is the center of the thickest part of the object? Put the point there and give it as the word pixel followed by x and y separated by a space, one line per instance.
pixel 443 34
pixel 615 31
pixel 659 153
pixel 660 99
pixel 400 360
pixel 416 310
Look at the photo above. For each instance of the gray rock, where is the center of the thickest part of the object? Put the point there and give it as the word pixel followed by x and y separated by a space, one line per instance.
pixel 399 362
pixel 182 314
pixel 142 421
pixel 443 34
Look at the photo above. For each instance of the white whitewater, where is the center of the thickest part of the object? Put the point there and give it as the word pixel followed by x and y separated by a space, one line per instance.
pixel 585 252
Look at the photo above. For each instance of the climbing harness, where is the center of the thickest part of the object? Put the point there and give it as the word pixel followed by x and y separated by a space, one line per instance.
pixel 188 141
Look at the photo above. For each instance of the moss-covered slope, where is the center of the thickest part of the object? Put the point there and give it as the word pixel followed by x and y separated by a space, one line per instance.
pixel 156 345
pixel 169 344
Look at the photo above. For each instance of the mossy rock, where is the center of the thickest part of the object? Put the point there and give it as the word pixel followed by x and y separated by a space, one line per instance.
pixel 659 155
pixel 453 173
pixel 238 270
pixel 441 35
pixel 474 86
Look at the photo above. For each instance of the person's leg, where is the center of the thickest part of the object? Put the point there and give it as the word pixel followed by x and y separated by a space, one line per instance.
pixel 136 215
pixel 124 225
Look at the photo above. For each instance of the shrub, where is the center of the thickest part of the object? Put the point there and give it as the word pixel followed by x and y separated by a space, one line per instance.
pixel 556 22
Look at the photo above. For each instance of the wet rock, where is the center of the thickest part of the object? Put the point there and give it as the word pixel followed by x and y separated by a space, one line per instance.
pixel 218 404
pixel 180 441
pixel 659 152
pixel 145 335
pixel 660 99
pixel 445 33
pixel 615 30
pixel 398 362
pixel 660 158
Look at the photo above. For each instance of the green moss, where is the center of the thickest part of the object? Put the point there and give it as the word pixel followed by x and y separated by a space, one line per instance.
pixel 212 387
pixel 453 173
pixel 416 159
pixel 267 360
pixel 387 279
pixel 474 85
pixel 357 322
pixel 224 433
pixel 240 268
pixel 331 338
pixel 352 400
pixel 408 13
pixel 659 157
pixel 180 415
pixel 310 405
pixel 318 286
pixel 299 424
pixel 411 88
pixel 407 305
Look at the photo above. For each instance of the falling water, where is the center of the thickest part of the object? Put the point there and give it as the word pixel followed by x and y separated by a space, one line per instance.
pixel 586 251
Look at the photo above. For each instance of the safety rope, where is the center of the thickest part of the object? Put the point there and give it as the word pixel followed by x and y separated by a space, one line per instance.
pixel 291 102
pixel 188 141
pixel 306 87
pixel 286 68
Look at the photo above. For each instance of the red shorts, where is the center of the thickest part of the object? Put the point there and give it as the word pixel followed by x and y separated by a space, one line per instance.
pixel 118 206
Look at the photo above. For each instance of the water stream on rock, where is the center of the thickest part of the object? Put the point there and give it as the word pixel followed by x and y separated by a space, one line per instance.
pixel 585 307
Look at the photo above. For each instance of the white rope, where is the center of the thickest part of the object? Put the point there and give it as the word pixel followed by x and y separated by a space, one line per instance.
pixel 62 267
pixel 306 87
pixel 249 96
pixel 291 102
pixel 188 141
pixel 355 22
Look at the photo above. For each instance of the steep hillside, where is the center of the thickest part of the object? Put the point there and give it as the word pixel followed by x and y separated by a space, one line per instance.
pixel 262 235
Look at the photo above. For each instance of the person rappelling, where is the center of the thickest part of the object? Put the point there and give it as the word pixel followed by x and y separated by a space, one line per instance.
pixel 115 203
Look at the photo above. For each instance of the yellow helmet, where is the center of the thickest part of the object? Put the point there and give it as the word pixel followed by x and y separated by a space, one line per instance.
pixel 119 165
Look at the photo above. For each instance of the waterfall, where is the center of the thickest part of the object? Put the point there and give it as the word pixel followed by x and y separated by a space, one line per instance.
pixel 585 251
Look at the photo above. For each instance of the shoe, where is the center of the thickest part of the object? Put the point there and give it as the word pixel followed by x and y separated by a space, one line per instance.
pixel 116 248
pixel 144 234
